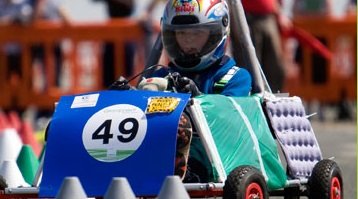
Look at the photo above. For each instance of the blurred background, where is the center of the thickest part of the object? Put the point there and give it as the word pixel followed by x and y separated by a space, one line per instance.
pixel 85 10
pixel 85 46
pixel 51 48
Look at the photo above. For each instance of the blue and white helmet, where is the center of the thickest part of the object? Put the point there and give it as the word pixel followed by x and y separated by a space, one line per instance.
pixel 187 14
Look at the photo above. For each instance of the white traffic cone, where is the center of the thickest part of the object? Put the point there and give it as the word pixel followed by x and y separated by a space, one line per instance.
pixel 173 188
pixel 10 145
pixel 119 189
pixel 71 188
pixel 10 172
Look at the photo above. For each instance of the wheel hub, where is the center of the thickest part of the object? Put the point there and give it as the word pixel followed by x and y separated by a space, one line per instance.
pixel 335 189
pixel 337 193
pixel 254 191
pixel 255 197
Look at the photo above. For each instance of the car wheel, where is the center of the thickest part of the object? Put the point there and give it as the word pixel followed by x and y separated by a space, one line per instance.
pixel 326 181
pixel 245 182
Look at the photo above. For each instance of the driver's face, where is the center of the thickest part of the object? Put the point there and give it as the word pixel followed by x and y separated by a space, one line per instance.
pixel 191 41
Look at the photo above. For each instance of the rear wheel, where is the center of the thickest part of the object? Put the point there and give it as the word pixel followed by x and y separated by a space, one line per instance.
pixel 326 181
pixel 245 182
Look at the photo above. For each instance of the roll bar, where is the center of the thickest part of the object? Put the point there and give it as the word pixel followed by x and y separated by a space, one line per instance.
pixel 240 35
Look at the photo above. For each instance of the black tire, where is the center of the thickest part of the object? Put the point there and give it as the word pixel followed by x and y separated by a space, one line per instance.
pixel 326 181
pixel 244 182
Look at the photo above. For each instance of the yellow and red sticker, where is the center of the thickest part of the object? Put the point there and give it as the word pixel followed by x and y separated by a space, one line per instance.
pixel 162 104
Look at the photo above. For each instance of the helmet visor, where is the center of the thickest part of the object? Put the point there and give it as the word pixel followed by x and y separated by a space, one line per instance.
pixel 187 44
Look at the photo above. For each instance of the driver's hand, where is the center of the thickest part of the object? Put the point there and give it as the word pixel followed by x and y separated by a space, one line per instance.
pixel 121 84
pixel 186 85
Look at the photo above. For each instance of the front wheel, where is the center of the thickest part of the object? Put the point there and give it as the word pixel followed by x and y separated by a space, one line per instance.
pixel 326 181
pixel 245 182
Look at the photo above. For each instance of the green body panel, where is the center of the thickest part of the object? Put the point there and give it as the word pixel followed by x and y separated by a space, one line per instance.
pixel 242 137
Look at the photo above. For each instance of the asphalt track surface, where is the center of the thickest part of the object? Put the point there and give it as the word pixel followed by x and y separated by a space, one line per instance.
pixel 339 140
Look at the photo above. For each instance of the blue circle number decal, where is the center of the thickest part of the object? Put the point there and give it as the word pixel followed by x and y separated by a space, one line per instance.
pixel 115 132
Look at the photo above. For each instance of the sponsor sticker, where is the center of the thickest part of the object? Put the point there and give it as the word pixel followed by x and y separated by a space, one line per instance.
pixel 85 101
pixel 162 104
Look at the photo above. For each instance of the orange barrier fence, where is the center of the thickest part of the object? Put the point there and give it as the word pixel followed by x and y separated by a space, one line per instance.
pixel 327 80
pixel 41 84
pixel 81 69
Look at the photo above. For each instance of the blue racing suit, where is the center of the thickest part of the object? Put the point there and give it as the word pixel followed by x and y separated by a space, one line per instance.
pixel 224 77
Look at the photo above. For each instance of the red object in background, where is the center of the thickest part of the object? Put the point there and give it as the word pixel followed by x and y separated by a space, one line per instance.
pixel 23 128
pixel 14 120
pixel 27 135
pixel 306 39
pixel 4 123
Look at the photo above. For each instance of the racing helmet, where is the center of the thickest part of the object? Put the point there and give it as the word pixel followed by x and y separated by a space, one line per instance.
pixel 212 15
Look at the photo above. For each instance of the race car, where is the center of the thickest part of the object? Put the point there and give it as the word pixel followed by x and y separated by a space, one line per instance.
pixel 238 141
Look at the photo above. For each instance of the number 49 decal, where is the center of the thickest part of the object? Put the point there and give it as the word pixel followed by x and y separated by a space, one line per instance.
pixel 115 132
pixel 107 135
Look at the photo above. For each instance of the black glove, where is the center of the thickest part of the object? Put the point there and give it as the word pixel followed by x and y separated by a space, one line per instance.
pixel 121 84
pixel 186 85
